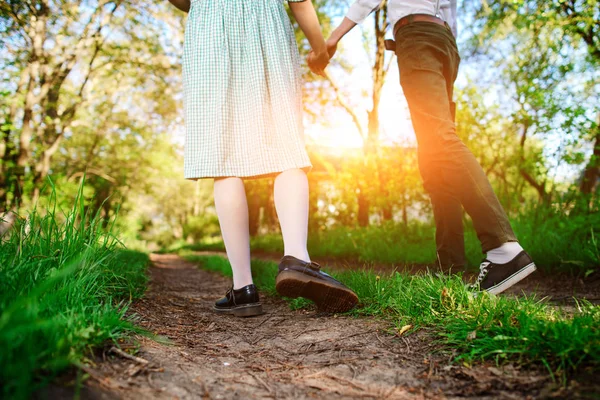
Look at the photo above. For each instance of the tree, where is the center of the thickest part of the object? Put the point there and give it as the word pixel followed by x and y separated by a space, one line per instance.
pixel 371 167
pixel 548 52
pixel 56 49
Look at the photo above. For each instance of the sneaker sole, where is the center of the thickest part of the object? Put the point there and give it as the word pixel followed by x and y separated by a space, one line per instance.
pixel 247 310
pixel 328 297
pixel 513 279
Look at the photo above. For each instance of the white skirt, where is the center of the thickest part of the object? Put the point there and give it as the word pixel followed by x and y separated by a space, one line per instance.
pixel 242 90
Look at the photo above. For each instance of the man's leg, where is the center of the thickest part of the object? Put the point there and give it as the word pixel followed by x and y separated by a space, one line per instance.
pixel 449 169
pixel 428 62
pixel 449 236
pixel 447 208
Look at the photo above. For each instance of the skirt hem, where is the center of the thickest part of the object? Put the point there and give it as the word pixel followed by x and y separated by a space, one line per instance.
pixel 305 168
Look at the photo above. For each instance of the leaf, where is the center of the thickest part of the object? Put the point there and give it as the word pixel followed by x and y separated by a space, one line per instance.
pixel 404 329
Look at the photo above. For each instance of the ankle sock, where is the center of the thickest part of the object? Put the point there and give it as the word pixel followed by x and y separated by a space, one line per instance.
pixel 504 253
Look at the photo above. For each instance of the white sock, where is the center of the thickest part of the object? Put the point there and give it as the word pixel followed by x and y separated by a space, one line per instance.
pixel 291 203
pixel 504 253
pixel 232 210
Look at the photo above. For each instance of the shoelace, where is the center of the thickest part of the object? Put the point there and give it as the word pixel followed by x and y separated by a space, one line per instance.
pixel 483 271
pixel 232 297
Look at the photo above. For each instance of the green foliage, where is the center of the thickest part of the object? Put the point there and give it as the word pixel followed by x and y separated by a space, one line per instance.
pixel 389 243
pixel 557 241
pixel 482 327
pixel 544 56
pixel 65 286
pixel 88 77
pixel 560 240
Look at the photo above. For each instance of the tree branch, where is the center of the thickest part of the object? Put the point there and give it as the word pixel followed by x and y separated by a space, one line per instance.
pixel 346 106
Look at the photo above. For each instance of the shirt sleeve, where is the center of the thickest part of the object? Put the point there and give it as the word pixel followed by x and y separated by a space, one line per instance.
pixel 454 17
pixel 361 9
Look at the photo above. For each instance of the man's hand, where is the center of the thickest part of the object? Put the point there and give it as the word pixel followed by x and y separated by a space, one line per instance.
pixel 317 62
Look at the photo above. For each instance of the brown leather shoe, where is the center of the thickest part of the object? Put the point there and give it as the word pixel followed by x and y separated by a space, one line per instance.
pixel 299 278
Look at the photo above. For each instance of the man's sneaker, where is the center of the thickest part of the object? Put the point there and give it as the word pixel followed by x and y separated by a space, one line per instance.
pixel 496 278
pixel 242 302
pixel 299 278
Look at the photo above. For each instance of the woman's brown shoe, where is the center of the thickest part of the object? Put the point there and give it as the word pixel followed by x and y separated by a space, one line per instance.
pixel 299 278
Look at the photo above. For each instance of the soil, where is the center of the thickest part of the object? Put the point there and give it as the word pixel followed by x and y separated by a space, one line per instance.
pixel 285 354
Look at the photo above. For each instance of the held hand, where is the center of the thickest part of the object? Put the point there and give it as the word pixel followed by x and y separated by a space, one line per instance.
pixel 331 47
pixel 317 62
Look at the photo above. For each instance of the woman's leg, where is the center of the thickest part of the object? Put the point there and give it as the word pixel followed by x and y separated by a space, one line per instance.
pixel 232 210
pixel 291 203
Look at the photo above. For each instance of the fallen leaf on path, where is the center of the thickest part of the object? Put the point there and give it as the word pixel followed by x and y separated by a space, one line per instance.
pixel 404 329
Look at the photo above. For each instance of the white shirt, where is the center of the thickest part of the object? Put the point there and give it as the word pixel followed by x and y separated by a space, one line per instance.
pixel 398 9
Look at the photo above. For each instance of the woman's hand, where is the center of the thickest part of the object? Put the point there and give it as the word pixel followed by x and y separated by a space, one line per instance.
pixel 306 16
pixel 317 62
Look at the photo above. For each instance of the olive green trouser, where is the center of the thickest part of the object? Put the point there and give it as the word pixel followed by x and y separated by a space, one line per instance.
pixel 428 61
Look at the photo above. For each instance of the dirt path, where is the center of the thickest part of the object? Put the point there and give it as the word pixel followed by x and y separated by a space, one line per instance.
pixel 283 354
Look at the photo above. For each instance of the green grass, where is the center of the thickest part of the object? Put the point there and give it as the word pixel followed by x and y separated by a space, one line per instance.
pixel 65 285
pixel 556 242
pixel 387 243
pixel 484 327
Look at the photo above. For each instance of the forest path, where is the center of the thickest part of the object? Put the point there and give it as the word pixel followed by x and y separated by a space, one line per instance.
pixel 283 354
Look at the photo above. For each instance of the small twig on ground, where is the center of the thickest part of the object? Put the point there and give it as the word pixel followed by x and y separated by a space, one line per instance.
pixel 149 378
pixel 390 393
pixel 263 321
pixel 347 337
pixel 430 373
pixel 354 372
pixel 347 381
pixel 308 331
pixel 253 343
pixel 128 356
pixel 337 362
pixel 407 343
pixel 261 382
pixel 102 380
pixel 318 373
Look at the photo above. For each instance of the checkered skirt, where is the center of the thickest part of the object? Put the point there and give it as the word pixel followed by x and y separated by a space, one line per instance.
pixel 242 90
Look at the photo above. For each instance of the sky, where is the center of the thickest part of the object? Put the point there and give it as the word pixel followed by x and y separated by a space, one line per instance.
pixel 339 130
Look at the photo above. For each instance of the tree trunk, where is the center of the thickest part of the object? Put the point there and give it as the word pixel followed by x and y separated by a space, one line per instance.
pixel 540 187
pixel 591 173
pixel 363 208
pixel 254 213
pixel 371 138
